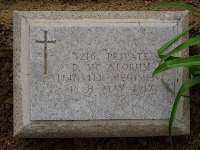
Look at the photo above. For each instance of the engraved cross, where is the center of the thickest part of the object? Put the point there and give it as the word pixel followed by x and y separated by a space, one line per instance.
pixel 45 42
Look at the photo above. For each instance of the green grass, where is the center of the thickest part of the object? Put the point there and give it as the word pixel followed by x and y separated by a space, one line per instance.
pixel 169 61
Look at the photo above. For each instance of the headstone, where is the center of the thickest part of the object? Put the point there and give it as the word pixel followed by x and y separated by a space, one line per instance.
pixel 89 74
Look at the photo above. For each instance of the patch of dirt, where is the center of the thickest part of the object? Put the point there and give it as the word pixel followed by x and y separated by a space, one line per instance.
pixel 191 142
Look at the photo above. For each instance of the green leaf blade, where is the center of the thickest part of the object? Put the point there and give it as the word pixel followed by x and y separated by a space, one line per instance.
pixel 185 6
pixel 185 86
pixel 181 62
pixel 183 46
pixel 172 41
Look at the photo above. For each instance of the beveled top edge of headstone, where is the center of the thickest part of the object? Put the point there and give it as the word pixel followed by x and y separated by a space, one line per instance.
pixel 60 15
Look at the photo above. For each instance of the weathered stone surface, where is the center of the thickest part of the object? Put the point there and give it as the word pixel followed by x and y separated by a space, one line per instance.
pixel 91 71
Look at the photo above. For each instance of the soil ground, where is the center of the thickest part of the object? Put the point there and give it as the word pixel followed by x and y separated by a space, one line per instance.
pixel 190 142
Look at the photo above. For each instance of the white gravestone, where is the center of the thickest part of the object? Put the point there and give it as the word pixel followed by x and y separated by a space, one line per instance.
pixel 89 74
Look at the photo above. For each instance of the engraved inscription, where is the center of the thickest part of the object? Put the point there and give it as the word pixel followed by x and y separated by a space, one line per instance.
pixel 98 72
pixel 45 42
pixel 126 68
